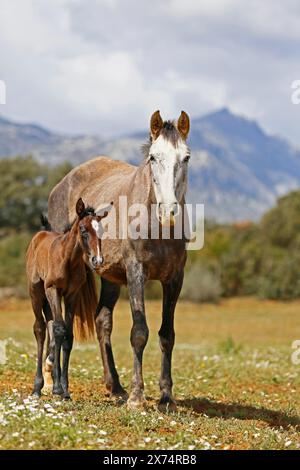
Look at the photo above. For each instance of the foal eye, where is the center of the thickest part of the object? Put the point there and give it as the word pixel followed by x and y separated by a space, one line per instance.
pixel 152 158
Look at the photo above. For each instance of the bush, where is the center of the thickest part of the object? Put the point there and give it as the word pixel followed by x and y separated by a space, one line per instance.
pixel 282 279
pixel 25 187
pixel 12 260
pixel 201 284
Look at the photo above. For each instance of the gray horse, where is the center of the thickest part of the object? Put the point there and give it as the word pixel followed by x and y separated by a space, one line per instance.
pixel 161 182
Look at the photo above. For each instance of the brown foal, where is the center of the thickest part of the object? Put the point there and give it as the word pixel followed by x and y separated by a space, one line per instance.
pixel 61 265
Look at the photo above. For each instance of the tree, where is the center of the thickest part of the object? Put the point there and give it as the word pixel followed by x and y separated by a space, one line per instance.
pixel 25 186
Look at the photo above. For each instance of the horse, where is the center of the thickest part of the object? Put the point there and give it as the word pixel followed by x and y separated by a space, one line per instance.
pixel 61 265
pixel 160 180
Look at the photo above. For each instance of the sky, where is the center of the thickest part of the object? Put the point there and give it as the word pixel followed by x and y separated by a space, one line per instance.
pixel 103 66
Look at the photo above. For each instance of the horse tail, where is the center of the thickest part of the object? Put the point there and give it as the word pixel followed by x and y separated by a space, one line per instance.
pixel 45 223
pixel 85 308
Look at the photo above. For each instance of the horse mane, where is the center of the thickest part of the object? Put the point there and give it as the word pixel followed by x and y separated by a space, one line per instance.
pixel 85 308
pixel 169 132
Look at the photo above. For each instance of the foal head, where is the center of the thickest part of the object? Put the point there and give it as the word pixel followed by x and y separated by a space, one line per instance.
pixel 90 231
pixel 168 155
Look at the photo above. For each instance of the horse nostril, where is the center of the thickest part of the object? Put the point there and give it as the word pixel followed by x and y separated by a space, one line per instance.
pixel 94 260
pixel 175 209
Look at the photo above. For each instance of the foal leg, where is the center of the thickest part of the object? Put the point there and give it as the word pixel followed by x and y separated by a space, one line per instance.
pixel 39 329
pixel 67 348
pixel 171 291
pixel 104 323
pixel 139 332
pixel 59 332
pixel 48 368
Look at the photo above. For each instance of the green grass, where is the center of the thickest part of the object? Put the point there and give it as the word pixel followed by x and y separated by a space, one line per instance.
pixel 234 382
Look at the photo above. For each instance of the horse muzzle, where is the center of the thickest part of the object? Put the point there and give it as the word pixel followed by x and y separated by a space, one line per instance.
pixel 167 213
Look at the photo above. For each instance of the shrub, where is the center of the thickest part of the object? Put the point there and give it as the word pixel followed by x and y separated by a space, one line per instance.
pixel 201 284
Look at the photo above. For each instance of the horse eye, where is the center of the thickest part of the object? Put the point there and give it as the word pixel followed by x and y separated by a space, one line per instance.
pixel 186 159
pixel 152 158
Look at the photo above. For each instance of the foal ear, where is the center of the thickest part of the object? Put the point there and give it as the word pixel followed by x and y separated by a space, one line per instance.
pixel 183 124
pixel 156 124
pixel 80 207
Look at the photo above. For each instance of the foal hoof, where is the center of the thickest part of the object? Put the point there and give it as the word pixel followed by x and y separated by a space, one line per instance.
pixel 166 405
pixel 66 396
pixel 48 382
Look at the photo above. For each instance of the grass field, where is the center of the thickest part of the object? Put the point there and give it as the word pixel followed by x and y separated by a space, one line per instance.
pixel 235 384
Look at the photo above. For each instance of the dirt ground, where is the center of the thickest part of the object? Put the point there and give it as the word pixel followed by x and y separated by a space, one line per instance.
pixel 234 381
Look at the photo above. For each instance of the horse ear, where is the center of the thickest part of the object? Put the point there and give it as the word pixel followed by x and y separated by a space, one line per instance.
pixel 156 124
pixel 80 207
pixel 183 124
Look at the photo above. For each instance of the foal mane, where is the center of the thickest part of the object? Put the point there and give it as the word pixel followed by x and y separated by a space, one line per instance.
pixel 87 211
pixel 86 299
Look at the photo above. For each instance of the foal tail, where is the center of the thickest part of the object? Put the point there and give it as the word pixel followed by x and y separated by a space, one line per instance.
pixel 45 223
pixel 85 308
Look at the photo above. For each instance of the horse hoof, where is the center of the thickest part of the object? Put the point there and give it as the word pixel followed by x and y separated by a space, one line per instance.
pixel 66 396
pixel 36 394
pixel 119 395
pixel 167 406
pixel 136 403
pixel 57 390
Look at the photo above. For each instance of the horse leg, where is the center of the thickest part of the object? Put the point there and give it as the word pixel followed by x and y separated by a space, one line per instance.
pixel 171 291
pixel 59 332
pixel 39 329
pixel 104 322
pixel 67 348
pixel 139 332
pixel 48 368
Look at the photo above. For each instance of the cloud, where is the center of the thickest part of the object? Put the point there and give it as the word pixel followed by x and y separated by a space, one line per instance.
pixel 103 66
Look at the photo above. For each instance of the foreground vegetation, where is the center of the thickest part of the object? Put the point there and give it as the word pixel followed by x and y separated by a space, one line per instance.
pixel 235 384
pixel 261 259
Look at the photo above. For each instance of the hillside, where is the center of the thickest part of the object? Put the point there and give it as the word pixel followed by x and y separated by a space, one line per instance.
pixel 236 169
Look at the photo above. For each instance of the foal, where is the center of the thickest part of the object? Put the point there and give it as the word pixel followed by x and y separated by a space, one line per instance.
pixel 61 265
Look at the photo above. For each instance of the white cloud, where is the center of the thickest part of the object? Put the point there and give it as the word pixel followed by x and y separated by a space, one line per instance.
pixel 206 8
pixel 105 65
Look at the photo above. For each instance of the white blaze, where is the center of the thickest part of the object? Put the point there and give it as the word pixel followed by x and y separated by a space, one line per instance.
pixel 169 171
pixel 97 226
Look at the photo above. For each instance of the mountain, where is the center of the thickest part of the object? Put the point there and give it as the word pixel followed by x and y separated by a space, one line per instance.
pixel 236 169
pixel 46 146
